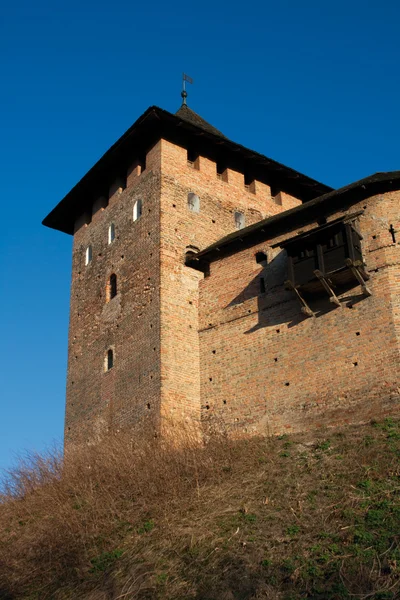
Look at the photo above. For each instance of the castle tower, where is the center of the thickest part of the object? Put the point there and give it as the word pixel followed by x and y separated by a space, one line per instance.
pixel 170 187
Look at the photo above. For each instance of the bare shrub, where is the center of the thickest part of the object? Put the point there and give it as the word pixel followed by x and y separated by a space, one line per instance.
pixel 57 515
pixel 176 518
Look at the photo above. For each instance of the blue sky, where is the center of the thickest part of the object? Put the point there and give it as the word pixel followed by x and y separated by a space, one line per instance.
pixel 314 85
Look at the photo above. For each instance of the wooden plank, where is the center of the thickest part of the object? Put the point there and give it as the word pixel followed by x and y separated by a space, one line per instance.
pixel 320 259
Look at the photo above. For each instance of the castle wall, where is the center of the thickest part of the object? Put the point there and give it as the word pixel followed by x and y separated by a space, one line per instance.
pixel 267 367
pixel 151 325
pixel 98 399
pixel 182 229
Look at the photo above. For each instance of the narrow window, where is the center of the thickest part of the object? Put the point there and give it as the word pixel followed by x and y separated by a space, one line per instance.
pixel 111 233
pixel 137 210
pixel 262 285
pixel 239 220
pixel 88 255
pixel 193 202
pixel 109 362
pixel 112 286
pixel 261 258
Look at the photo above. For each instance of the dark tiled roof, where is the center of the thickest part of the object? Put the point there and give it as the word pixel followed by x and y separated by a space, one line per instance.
pixel 185 128
pixel 299 215
pixel 190 116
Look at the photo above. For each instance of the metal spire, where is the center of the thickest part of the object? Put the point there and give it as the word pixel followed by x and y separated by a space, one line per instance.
pixel 184 92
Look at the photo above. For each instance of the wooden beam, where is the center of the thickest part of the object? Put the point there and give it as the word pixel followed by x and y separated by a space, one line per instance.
pixel 320 259
pixel 332 296
pixel 305 309
pixel 356 272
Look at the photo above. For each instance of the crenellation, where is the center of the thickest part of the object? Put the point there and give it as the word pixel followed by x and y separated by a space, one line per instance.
pixel 116 188
pixel 134 171
pixel 99 205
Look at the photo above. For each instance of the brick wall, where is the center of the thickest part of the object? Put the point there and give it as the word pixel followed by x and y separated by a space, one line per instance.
pixel 265 366
pixel 129 323
pixel 151 325
pixel 181 228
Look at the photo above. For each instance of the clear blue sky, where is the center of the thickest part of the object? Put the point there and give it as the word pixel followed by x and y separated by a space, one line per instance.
pixel 312 84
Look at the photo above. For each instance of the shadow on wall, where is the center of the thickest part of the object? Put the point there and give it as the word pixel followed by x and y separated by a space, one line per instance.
pixel 277 305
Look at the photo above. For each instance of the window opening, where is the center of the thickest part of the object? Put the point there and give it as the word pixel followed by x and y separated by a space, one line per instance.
pixel 113 286
pixel 137 210
pixel 111 233
pixel 193 202
pixel 262 285
pixel 261 257
pixel 88 255
pixel 239 220
pixel 109 360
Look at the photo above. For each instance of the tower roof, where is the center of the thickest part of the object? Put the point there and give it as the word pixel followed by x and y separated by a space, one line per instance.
pixel 186 129
pixel 190 116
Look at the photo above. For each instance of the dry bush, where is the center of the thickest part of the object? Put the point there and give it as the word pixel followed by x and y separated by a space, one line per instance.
pixel 58 517
pixel 172 519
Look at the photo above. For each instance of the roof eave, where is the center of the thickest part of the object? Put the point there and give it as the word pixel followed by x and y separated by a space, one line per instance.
pixel 154 124
pixel 300 215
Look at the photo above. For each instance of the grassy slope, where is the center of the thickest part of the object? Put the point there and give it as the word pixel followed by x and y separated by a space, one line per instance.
pixel 288 518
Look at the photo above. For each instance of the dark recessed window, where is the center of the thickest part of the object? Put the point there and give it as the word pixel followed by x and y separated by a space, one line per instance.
pixel 109 362
pixel 261 258
pixel 113 286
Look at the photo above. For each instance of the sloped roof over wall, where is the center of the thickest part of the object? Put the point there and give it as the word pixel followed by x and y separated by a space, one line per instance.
pixel 186 129
pixel 300 215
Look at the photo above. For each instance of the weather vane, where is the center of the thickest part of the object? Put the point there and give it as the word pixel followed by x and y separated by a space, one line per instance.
pixel 184 92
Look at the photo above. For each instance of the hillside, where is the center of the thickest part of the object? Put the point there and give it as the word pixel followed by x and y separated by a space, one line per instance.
pixel 300 516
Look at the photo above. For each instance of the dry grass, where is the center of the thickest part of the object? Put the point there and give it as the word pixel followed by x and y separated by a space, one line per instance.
pixel 281 518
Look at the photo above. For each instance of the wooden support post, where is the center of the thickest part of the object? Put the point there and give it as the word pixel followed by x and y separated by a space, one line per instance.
pixel 356 272
pixel 305 309
pixel 332 296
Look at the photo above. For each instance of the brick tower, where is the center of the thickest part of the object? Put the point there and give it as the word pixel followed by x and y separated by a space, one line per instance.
pixel 170 187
